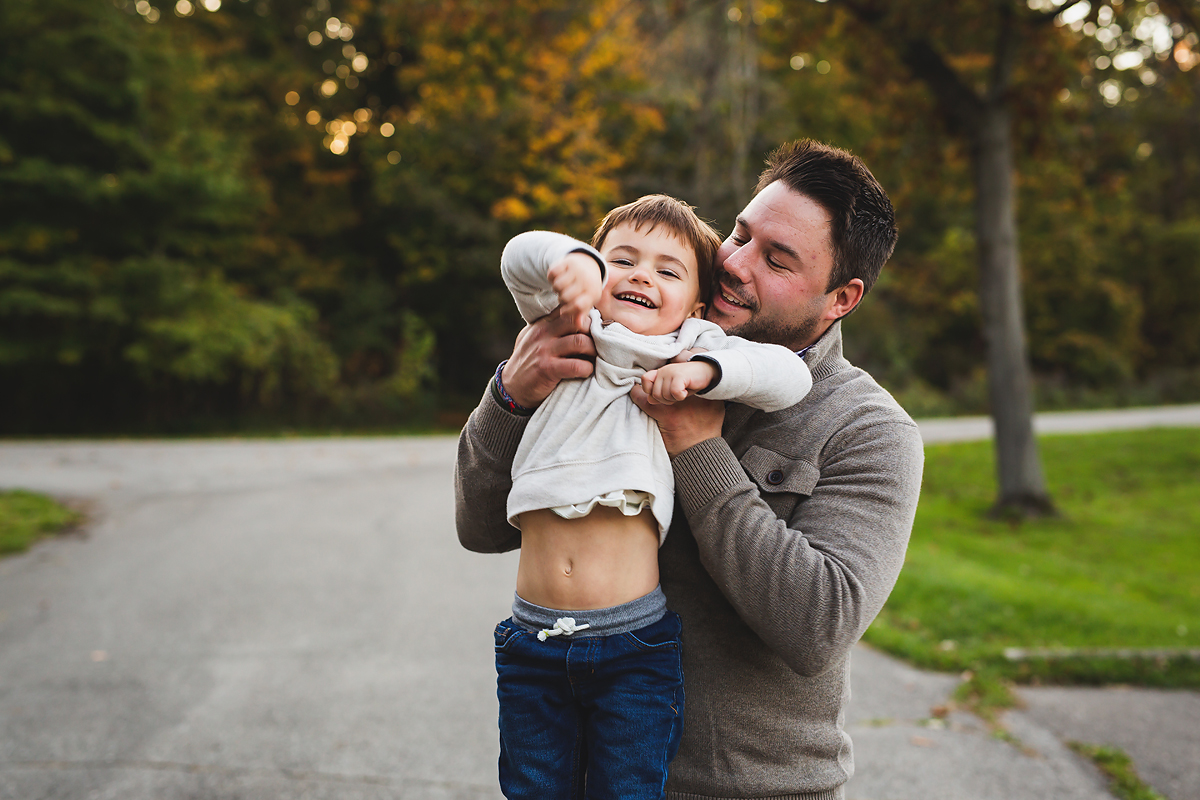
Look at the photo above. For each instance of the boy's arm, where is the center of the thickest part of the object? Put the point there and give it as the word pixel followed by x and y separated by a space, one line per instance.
pixel 672 383
pixel 764 376
pixel 526 264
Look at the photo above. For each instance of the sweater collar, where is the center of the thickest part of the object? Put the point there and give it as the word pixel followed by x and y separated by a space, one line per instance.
pixel 824 356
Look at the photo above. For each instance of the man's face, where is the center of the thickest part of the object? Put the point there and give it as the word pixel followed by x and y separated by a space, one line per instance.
pixel 773 270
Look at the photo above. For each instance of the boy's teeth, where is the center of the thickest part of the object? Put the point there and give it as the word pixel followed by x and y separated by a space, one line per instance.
pixel 635 299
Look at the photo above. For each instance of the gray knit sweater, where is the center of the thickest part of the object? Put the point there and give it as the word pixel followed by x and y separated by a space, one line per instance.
pixel 792 533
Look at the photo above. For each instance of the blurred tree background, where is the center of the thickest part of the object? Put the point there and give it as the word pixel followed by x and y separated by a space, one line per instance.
pixel 259 214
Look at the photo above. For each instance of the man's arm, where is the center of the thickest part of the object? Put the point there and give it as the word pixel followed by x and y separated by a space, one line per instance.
pixel 546 351
pixel 811 584
pixel 483 477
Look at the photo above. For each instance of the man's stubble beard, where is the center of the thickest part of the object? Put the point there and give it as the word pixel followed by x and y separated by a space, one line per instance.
pixel 793 334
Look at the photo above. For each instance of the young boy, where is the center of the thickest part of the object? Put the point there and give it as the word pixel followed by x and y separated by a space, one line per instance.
pixel 588 667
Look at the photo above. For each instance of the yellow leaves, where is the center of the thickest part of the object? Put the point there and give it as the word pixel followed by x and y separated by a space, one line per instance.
pixel 547 91
pixel 511 209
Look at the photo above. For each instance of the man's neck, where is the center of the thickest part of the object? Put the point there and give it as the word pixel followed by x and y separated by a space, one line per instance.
pixel 812 340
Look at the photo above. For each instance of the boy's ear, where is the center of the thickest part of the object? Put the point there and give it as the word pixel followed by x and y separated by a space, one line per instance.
pixel 697 312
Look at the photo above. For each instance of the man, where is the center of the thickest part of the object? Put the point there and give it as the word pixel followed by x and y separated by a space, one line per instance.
pixel 793 524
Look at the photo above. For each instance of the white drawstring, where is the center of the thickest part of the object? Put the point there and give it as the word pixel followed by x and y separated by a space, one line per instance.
pixel 563 625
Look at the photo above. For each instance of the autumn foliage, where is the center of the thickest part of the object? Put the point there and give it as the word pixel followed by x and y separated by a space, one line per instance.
pixel 248 214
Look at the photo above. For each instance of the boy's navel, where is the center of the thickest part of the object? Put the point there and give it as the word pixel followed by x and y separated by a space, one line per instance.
pixel 569 566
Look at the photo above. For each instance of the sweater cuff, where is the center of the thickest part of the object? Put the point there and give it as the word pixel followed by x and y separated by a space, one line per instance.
pixel 588 250
pixel 707 359
pixel 703 471
pixel 495 428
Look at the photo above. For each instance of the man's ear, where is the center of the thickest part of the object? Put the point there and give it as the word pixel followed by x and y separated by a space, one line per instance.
pixel 845 299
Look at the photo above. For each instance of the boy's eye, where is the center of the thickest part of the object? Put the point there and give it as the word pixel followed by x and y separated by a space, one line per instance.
pixel 669 273
pixel 621 262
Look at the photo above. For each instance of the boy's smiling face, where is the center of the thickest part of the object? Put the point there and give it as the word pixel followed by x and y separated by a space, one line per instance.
pixel 653 280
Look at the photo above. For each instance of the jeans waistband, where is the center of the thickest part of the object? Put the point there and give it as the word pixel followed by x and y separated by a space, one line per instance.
pixel 646 610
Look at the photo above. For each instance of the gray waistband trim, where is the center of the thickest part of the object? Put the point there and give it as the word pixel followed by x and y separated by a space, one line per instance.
pixel 631 616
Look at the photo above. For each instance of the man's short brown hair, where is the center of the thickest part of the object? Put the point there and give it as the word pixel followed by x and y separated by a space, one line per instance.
pixel 677 217
pixel 862 222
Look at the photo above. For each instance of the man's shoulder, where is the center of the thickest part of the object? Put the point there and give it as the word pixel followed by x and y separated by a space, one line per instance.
pixel 851 393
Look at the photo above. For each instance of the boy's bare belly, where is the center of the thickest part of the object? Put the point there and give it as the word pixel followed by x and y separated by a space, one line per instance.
pixel 601 560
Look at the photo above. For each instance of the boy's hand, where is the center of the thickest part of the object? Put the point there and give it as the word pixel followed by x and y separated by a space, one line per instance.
pixel 674 382
pixel 685 424
pixel 576 281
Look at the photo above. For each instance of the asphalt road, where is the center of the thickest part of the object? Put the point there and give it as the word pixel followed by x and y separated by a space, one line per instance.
pixel 294 619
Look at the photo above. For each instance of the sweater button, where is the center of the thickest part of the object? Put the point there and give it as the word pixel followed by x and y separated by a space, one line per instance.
pixel 775 477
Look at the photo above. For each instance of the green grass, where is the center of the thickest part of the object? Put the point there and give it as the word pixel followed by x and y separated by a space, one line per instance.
pixel 26 517
pixel 1119 569
pixel 1118 768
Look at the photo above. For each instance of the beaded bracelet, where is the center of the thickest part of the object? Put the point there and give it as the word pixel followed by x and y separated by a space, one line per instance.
pixel 504 398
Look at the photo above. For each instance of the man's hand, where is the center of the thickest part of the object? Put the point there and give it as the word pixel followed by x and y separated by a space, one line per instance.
pixel 576 281
pixel 548 350
pixel 674 382
pixel 683 424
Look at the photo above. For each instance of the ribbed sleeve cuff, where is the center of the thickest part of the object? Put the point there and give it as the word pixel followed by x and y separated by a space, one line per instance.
pixel 703 471
pixel 733 371
pixel 497 429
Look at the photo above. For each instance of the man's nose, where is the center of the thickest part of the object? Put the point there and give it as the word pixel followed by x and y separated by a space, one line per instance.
pixel 737 264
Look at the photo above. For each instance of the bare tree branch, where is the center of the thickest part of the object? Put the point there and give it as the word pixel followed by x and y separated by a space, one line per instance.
pixel 1004 56
pixel 959 103
pixel 1048 16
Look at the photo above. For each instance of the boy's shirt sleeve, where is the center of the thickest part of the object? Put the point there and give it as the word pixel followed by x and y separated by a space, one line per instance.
pixel 528 257
pixel 764 376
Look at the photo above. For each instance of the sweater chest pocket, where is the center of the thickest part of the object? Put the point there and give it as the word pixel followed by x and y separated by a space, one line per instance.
pixel 782 480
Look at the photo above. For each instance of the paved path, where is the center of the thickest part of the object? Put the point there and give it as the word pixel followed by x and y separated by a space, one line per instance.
pixel 294 619
pixel 960 429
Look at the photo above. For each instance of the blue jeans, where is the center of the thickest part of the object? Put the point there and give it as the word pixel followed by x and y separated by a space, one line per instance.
pixel 596 717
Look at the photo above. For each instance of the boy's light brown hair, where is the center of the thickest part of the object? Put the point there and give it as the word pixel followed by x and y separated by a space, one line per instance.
pixel 677 217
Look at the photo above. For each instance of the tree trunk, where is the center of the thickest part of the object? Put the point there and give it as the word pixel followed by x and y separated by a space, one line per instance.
pixel 1010 389
pixel 743 104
